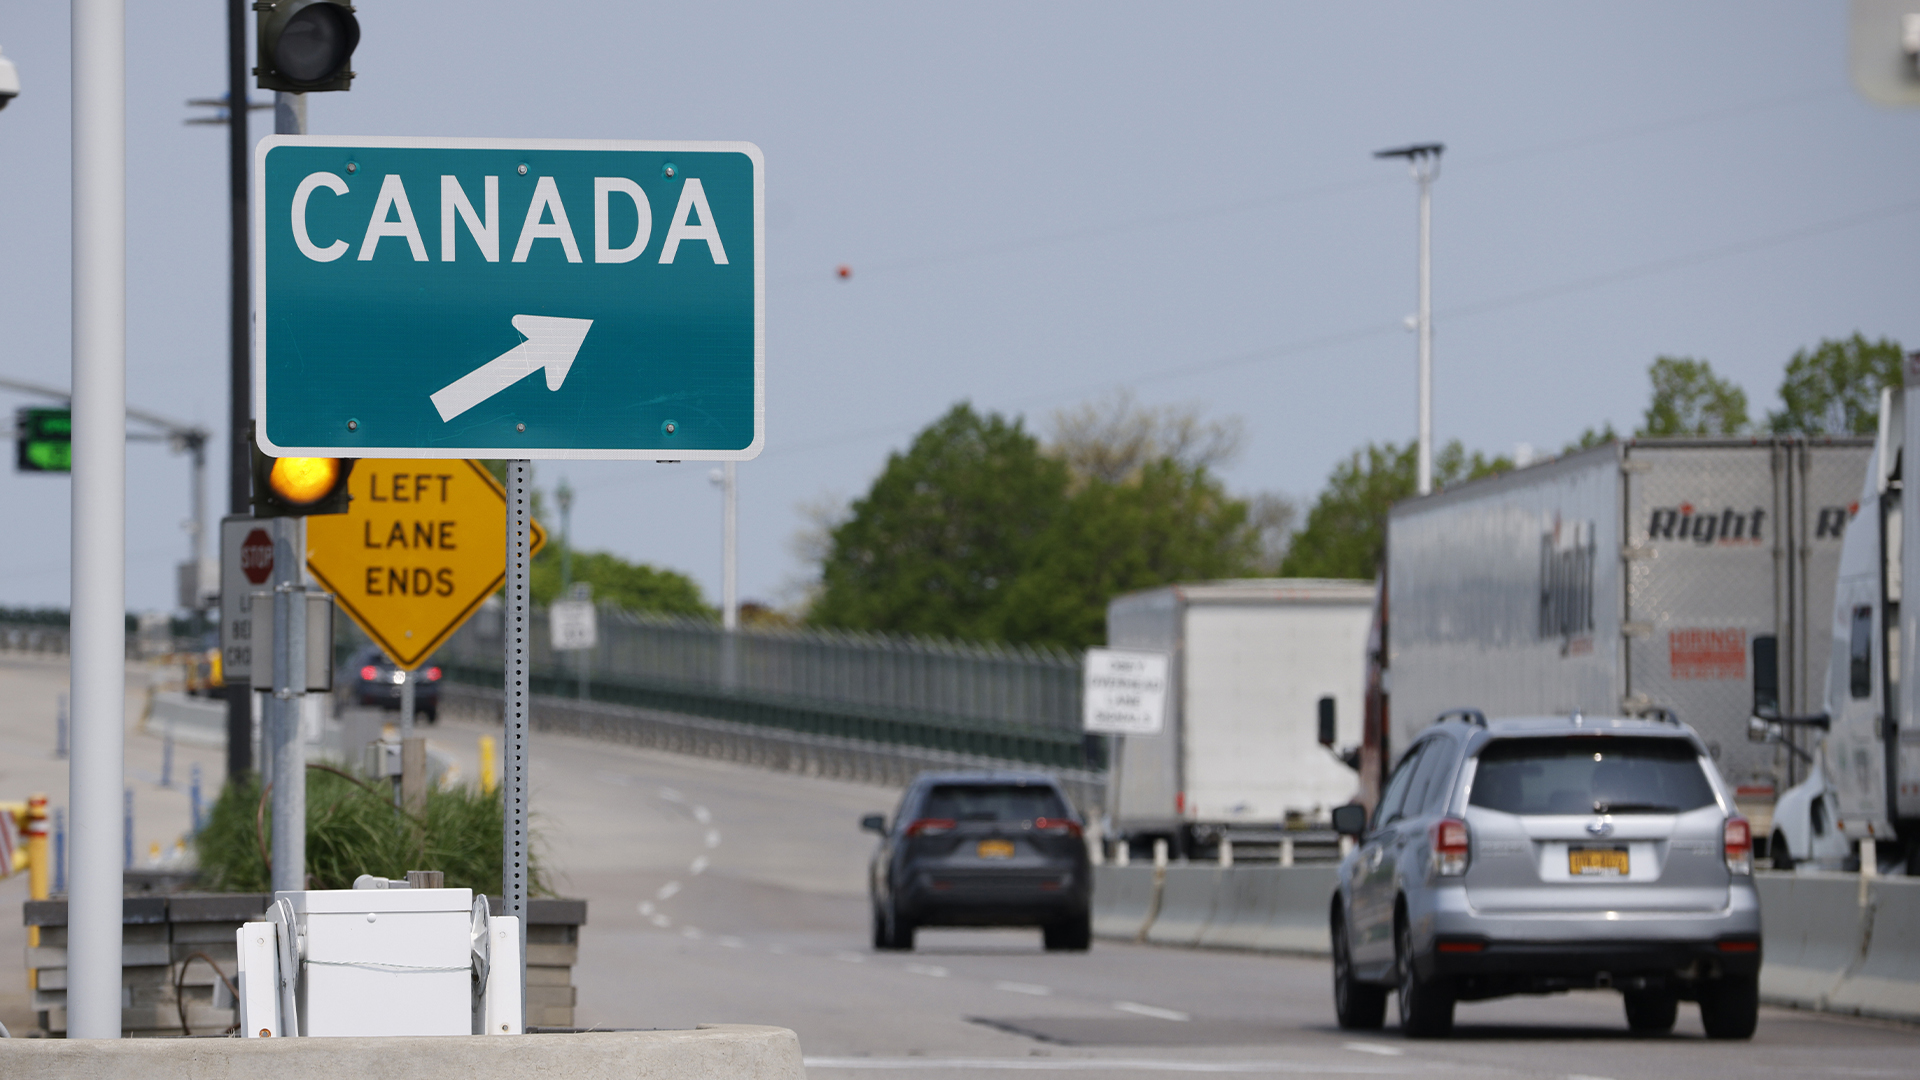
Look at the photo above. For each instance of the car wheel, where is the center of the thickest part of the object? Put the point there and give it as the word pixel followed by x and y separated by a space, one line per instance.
pixel 1730 1007
pixel 1426 1005
pixel 1073 934
pixel 881 939
pixel 1357 1006
pixel 1651 1012
pixel 890 931
pixel 1777 849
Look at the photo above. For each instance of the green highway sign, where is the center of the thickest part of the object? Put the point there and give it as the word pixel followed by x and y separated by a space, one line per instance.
pixel 440 298
pixel 43 440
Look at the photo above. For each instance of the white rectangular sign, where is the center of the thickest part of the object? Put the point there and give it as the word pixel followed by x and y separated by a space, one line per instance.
pixel 1126 692
pixel 573 624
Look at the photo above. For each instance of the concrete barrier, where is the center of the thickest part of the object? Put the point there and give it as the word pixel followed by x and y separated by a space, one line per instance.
pixel 1122 901
pixel 1186 903
pixel 1273 909
pixel 1886 981
pixel 1263 908
pixel 733 1051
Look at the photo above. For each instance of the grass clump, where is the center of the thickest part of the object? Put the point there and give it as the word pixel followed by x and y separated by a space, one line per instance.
pixel 354 828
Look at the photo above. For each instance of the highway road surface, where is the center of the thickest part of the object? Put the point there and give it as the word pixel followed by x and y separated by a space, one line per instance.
pixel 723 893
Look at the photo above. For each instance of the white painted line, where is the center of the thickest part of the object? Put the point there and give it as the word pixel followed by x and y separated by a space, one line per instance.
pixel 1102 1065
pixel 699 865
pixel 671 795
pixel 1022 988
pixel 660 921
pixel 703 815
pixel 713 838
pixel 646 907
pixel 934 971
pixel 1374 1048
pixel 666 891
pixel 691 933
pixel 1150 1010
pixel 850 957
pixel 729 943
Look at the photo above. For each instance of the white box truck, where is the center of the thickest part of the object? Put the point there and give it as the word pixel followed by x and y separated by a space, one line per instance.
pixel 1249 662
pixel 1862 802
pixel 1689 575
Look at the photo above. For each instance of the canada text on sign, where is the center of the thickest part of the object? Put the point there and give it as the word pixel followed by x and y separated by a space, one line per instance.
pixel 1125 692
pixel 421 546
pixel 435 298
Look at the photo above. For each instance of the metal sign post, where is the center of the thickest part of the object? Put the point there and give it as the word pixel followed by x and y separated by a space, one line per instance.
pixel 289 750
pixel 519 628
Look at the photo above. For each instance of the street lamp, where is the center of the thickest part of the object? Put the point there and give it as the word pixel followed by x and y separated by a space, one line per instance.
pixel 1424 160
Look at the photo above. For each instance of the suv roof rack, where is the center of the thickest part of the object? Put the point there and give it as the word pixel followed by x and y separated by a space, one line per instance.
pixel 1465 716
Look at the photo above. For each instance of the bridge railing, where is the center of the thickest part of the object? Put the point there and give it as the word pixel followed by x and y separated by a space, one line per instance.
pixel 1010 702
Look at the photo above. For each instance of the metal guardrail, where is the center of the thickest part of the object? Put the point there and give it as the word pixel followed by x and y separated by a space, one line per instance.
pixel 1009 703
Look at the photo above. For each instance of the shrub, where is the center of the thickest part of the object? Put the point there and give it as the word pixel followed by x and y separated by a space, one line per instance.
pixel 354 828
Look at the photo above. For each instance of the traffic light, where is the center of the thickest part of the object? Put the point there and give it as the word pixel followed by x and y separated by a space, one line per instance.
pixel 43 440
pixel 305 45
pixel 299 487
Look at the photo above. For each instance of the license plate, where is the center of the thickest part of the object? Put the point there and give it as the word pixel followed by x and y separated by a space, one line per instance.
pixel 995 849
pixel 1597 862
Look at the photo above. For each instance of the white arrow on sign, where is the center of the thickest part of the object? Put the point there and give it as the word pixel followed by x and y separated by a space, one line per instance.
pixel 551 343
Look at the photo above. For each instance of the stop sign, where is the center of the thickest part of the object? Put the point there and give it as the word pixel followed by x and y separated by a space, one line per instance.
pixel 256 556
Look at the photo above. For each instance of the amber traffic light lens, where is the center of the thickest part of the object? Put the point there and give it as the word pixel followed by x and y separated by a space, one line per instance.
pixel 303 480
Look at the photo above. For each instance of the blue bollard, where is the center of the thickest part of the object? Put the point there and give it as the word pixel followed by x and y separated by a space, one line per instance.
pixel 193 795
pixel 128 827
pixel 166 761
pixel 60 729
pixel 59 851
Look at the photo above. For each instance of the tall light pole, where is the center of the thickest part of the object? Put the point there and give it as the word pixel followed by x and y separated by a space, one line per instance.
pixel 1424 160
pixel 99 584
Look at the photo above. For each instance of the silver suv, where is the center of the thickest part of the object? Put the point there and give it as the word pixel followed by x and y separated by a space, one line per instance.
pixel 1538 855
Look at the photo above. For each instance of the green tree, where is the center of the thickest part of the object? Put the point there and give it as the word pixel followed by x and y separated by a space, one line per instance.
pixel 633 586
pixel 1835 389
pixel 1591 438
pixel 1168 522
pixel 939 539
pixel 1346 530
pixel 1689 399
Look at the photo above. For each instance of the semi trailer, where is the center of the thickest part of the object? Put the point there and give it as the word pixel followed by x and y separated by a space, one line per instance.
pixel 1691 577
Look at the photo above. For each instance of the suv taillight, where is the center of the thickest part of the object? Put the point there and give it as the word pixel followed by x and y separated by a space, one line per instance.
pixel 1057 826
pixel 1739 846
pixel 930 826
pixel 369 673
pixel 1450 847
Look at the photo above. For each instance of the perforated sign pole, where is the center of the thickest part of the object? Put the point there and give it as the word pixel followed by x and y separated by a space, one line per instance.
pixel 518 626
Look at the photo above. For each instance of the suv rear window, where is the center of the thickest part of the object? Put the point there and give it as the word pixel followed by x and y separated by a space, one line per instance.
pixel 993 802
pixel 1587 775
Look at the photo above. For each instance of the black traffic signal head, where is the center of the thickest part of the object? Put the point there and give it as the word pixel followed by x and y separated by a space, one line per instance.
pixel 299 487
pixel 305 45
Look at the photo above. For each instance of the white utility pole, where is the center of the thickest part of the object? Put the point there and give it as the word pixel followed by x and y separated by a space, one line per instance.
pixel 1424 160
pixel 99 564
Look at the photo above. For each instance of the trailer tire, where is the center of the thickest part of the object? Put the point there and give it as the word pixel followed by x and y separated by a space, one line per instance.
pixel 1778 851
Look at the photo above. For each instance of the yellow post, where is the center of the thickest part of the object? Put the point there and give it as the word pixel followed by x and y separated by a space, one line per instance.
pixel 39 866
pixel 487 765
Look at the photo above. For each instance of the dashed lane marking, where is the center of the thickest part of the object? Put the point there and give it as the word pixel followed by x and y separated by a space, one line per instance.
pixel 703 815
pixel 1155 1011
pixel 713 838
pixel 730 943
pixel 1374 1048
pixel 930 970
pixel 666 891
pixel 1023 988
pixel 699 865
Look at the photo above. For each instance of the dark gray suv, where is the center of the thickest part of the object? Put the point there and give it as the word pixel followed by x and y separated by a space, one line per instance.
pixel 981 849
pixel 1538 855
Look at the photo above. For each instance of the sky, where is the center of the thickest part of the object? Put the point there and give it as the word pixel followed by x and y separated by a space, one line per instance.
pixel 1047 204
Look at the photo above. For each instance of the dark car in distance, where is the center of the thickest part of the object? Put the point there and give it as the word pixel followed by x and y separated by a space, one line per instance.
pixel 981 849
pixel 373 682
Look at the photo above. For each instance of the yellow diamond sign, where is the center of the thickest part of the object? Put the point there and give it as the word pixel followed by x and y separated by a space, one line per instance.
pixel 421 546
